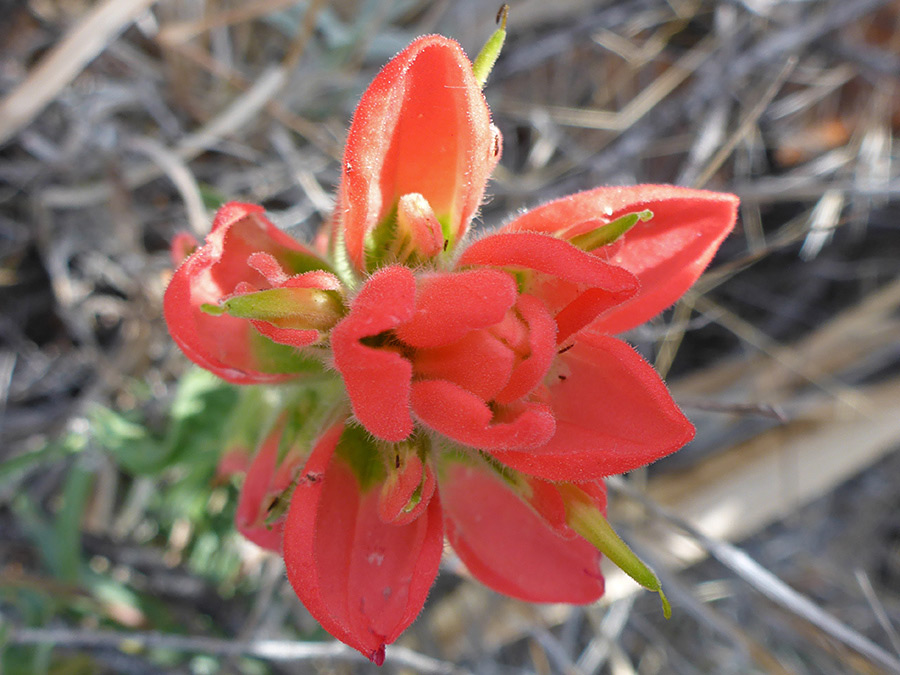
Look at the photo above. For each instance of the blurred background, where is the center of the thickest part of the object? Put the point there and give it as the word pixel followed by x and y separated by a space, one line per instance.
pixel 776 532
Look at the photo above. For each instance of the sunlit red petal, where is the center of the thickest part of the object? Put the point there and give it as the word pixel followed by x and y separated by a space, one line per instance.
pixel 613 414
pixel 363 580
pixel 509 547
pixel 451 410
pixel 422 127
pixel 377 378
pixel 666 253
pixel 450 305
pixel 575 285
pixel 479 363
pixel 541 350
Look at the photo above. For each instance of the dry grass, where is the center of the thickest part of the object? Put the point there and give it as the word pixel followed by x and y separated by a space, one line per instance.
pixel 125 121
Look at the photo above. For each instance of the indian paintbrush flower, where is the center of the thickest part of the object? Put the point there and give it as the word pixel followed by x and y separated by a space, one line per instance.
pixel 439 385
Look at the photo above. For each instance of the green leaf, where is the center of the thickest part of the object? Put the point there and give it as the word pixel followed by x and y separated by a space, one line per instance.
pixel 361 452
pixel 67 527
pixel 199 419
pixel 130 443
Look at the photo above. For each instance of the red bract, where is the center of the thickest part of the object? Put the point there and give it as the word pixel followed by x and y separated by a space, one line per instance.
pixel 259 515
pixel 421 128
pixel 229 346
pixel 488 396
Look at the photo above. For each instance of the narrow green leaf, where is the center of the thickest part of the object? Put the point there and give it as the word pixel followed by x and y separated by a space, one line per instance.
pixel 67 528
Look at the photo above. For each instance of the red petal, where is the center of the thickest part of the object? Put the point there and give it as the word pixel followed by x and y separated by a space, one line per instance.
pixel 377 379
pixel 451 410
pixel 183 245
pixel 286 336
pixel 423 127
pixel 613 414
pixel 363 580
pixel 450 305
pixel 227 346
pixel 264 482
pixel 667 253
pixel 542 350
pixel 479 363
pixel 509 547
pixel 234 461
pixel 395 503
pixel 571 273
pixel 314 279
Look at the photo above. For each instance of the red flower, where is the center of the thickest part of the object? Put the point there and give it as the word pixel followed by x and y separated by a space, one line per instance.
pixel 487 395
pixel 244 254
pixel 266 480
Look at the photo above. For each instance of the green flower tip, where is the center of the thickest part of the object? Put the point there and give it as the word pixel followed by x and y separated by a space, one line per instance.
pixel 609 232
pixel 487 57
pixel 587 520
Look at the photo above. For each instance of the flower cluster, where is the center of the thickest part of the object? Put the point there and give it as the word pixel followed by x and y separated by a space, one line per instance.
pixel 437 387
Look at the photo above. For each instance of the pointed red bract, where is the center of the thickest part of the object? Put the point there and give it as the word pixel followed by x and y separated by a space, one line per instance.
pixel 667 253
pixel 377 380
pixel 363 580
pixel 507 546
pixel 448 306
pixel 461 415
pixel 421 127
pixel 266 480
pixel 575 285
pixel 407 491
pixel 227 346
pixel 613 414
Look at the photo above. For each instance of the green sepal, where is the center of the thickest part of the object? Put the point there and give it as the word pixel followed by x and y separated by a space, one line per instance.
pixel 246 420
pixel 298 308
pixel 588 521
pixel 300 262
pixel 311 407
pixel 360 451
pixel 343 268
pixel 380 241
pixel 487 57
pixel 272 357
pixel 280 505
pixel 610 232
